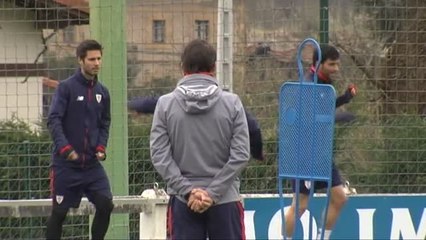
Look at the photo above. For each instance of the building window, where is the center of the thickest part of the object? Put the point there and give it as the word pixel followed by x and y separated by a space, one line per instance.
pixel 159 31
pixel 69 34
pixel 202 29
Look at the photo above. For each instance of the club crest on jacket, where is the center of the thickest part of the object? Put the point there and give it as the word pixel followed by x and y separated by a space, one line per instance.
pixel 98 97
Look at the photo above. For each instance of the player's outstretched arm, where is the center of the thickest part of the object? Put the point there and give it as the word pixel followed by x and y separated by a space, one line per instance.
pixel 256 142
pixel 350 92
pixel 143 105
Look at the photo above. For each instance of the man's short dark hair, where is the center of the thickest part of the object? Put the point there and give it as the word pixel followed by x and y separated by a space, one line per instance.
pixel 87 45
pixel 198 56
pixel 328 52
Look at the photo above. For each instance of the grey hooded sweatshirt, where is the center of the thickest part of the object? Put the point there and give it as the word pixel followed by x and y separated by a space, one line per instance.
pixel 199 139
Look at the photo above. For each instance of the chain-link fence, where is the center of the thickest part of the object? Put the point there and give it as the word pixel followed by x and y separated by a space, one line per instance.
pixel 382 46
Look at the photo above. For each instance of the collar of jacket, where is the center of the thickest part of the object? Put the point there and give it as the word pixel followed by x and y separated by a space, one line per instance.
pixel 83 80
pixel 197 78
pixel 321 76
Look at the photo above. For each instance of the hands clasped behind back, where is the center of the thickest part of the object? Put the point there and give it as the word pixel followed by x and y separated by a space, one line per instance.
pixel 199 200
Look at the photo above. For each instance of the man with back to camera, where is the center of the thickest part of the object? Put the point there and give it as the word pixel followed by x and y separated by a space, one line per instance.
pixel 199 145
pixel 79 121
pixel 329 65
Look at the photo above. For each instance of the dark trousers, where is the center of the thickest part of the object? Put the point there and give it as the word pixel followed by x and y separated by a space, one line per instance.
pixel 224 221
pixel 336 180
pixel 68 185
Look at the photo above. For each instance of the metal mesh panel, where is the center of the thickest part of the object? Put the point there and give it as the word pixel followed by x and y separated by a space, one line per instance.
pixel 306 130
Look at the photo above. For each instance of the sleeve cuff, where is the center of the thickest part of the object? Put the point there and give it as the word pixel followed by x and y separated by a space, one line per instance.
pixel 213 197
pixel 65 151
pixel 186 196
pixel 66 148
pixel 100 148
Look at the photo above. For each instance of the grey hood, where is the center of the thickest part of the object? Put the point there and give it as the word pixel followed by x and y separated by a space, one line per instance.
pixel 197 93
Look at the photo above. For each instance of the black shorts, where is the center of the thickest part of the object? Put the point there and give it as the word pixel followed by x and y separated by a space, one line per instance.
pixel 68 185
pixel 336 180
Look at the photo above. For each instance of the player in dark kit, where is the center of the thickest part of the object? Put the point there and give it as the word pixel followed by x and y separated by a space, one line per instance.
pixel 79 121
pixel 329 65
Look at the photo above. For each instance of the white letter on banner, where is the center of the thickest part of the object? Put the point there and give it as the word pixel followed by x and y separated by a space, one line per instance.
pixel 249 224
pixel 366 223
pixel 274 231
pixel 402 225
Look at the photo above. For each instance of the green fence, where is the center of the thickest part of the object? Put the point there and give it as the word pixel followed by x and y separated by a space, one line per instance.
pixel 382 52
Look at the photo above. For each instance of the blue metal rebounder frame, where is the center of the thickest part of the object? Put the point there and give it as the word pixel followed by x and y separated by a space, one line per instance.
pixel 306 128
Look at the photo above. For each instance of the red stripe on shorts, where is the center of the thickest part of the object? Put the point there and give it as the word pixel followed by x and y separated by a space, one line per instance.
pixel 52 179
pixel 243 228
pixel 169 222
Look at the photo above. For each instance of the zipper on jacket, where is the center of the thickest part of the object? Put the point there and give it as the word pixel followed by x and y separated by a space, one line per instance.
pixel 86 133
pixel 86 130
pixel 89 91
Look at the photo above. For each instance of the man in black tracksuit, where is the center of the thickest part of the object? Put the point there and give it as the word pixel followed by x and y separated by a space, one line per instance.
pixel 79 121
pixel 329 65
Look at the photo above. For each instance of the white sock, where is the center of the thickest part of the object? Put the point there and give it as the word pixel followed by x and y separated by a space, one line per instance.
pixel 327 234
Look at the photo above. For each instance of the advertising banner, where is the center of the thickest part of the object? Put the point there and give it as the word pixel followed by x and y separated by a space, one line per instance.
pixel 363 217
